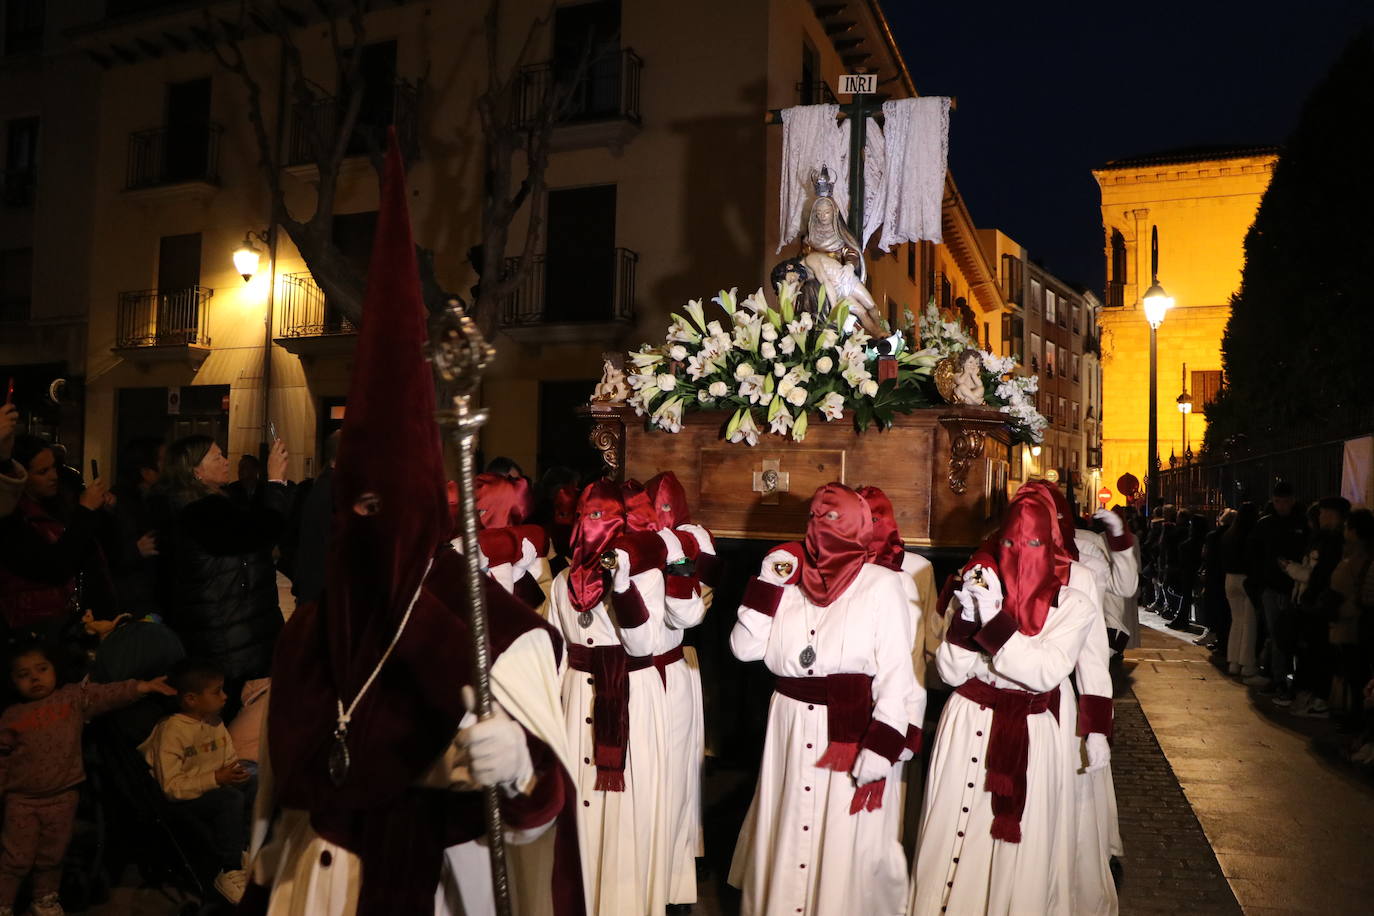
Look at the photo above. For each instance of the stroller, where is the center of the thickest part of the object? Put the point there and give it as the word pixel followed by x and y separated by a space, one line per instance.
pixel 142 828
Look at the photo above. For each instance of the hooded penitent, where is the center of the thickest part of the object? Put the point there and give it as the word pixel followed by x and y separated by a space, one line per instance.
pixel 600 518
pixel 886 543
pixel 669 500
pixel 1063 512
pixel 1029 559
pixel 328 651
pixel 502 501
pixel 837 538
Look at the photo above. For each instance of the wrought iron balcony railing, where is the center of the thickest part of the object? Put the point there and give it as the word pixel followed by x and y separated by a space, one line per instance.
pixel 316 122
pixel 173 155
pixel 164 318
pixel 306 312
pixel 584 290
pixel 608 90
pixel 1116 293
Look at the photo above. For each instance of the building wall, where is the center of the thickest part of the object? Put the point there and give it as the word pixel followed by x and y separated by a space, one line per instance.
pixel 1202 210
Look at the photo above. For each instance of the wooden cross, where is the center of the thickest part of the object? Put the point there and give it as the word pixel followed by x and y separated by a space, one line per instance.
pixel 770 480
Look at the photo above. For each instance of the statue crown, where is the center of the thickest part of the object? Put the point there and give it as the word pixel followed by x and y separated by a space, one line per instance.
pixel 825 182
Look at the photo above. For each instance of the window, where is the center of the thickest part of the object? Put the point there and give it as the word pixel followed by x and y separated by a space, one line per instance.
pixel 21 161
pixel 16 283
pixel 579 271
pixel 1074 407
pixel 1050 354
pixel 1077 366
pixel 1206 387
pixel 23 26
pixel 911 261
pixel 1037 357
pixel 1075 452
pixel 1013 333
pixel 946 293
pixel 1063 412
pixel 1036 297
pixel 1063 361
pixel 1063 311
pixel 1116 283
pixel 1049 305
pixel 1011 278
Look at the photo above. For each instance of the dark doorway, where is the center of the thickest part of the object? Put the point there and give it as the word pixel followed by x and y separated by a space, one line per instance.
pixel 589 29
pixel 143 413
pixel 329 420
pixel 178 289
pixel 562 433
pixel 187 150
pixel 579 283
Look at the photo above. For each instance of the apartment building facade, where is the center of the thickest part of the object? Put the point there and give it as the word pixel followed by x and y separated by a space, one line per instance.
pixel 662 186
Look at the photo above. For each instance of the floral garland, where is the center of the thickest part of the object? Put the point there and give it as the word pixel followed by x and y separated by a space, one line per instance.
pixel 775 367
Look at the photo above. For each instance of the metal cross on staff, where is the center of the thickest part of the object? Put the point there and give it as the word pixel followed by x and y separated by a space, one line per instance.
pixel 458 352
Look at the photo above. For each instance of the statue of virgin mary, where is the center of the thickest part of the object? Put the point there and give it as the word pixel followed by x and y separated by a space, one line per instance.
pixel 833 255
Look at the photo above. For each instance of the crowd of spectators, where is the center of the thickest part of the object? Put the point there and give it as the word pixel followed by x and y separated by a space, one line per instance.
pixel 1283 595
pixel 105 591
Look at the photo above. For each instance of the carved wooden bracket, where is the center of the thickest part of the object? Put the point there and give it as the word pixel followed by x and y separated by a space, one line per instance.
pixel 607 436
pixel 965 447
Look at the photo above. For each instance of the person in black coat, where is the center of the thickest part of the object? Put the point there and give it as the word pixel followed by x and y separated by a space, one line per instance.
pixel 220 583
pixel 139 512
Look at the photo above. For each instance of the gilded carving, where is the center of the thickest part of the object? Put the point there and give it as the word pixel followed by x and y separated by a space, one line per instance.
pixel 965 447
pixel 608 437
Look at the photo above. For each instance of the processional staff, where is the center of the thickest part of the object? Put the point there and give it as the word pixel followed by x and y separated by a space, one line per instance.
pixel 459 352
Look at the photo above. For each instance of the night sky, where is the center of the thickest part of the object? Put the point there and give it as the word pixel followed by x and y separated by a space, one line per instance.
pixel 1048 91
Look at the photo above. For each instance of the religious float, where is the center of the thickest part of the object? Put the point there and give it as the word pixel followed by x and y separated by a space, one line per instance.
pixel 756 402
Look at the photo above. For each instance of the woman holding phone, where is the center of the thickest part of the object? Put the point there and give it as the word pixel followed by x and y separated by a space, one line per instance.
pixel 220 584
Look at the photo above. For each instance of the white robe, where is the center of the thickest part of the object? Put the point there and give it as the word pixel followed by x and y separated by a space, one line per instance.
pixel 959 866
pixel 918 582
pixel 1094 793
pixel 686 739
pixel 623 835
pixel 524 681
pixel 800 850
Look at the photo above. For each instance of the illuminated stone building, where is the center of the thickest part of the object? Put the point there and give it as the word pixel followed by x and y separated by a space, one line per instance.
pixel 662 186
pixel 1203 202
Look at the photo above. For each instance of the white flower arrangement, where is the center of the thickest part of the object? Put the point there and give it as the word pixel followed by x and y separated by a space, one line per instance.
pixel 776 365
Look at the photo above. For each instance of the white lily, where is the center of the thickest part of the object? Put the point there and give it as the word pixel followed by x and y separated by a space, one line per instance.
pixel 727 300
pixel 831 406
pixel 781 422
pixel 752 388
pixel 645 358
pixel 746 430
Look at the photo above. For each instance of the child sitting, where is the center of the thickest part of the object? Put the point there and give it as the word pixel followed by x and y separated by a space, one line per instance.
pixel 42 767
pixel 193 758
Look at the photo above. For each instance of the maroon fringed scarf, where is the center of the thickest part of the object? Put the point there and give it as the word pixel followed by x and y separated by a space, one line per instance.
pixel 848 701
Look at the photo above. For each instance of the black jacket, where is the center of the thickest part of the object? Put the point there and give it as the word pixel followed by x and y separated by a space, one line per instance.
pixel 221 584
pixel 1276 536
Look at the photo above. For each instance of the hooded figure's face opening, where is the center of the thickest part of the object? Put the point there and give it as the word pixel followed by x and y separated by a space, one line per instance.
pixel 367 505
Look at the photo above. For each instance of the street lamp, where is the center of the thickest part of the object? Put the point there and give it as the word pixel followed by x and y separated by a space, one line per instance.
pixel 1185 407
pixel 1156 303
pixel 247 256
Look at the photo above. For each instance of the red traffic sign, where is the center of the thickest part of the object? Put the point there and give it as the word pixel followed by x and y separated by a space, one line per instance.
pixel 1103 495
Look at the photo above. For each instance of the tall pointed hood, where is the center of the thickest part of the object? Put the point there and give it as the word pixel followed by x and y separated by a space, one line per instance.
pixel 389 447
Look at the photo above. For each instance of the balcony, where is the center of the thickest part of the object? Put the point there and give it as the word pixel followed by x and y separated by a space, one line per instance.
pixel 560 302
pixel 317 121
pixel 18 187
pixel 174 161
pixel 1095 457
pixel 603 109
pixel 164 325
pixel 307 326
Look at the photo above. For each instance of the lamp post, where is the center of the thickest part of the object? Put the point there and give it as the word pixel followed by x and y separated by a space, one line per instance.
pixel 247 258
pixel 1156 303
pixel 1185 407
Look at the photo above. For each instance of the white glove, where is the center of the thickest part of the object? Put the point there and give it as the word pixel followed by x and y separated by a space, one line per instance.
pixel 702 536
pixel 1099 752
pixel 906 754
pixel 986 598
pixel 967 609
pixel 528 557
pixel 495 747
pixel 1115 526
pixel 482 562
pixel 870 767
pixel 621 580
pixel 674 545
pixel 769 572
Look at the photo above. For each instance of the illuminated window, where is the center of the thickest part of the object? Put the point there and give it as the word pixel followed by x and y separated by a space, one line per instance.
pixel 1205 388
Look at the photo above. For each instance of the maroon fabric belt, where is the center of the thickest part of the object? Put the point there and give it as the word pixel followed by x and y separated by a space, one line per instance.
pixel 609 667
pixel 661 662
pixel 1008 753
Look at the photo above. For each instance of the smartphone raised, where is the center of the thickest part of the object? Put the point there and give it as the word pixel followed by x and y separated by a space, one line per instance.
pixel 271 431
